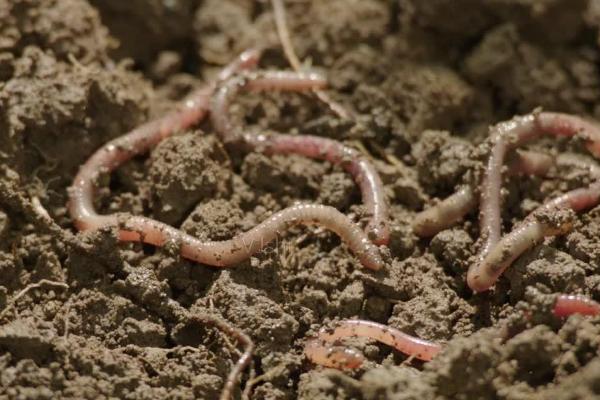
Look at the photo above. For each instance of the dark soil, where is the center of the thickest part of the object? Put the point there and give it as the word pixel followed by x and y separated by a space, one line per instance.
pixel 425 79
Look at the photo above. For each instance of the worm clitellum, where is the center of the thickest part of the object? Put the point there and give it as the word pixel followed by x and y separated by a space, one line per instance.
pixel 361 169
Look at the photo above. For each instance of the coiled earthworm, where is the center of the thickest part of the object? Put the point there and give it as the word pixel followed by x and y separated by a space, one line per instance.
pixel 325 349
pixel 217 253
pixel 547 220
pixel 140 140
pixel 361 169
pixel 224 253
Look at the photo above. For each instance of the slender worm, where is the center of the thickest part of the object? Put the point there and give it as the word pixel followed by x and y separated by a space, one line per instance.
pixel 216 253
pixel 325 349
pixel 351 160
pixel 569 304
pixel 446 213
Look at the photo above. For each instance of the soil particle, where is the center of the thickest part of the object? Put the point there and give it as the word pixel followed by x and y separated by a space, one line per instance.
pixel 285 176
pixel 143 28
pixel 33 23
pixel 253 312
pixel 549 270
pixel 185 170
pixel 453 248
pixel 441 160
pixel 56 114
pixel 427 96
pixel 529 76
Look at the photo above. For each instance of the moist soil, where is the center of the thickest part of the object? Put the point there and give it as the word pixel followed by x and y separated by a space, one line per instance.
pixel 423 79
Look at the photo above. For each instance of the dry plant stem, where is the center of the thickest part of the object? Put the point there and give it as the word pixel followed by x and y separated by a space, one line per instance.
pixel 323 349
pixel 222 253
pixel 483 275
pixel 361 169
pixel 290 54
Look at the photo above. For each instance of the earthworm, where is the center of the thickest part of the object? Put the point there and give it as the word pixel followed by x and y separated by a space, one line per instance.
pixel 446 213
pixel 216 253
pixel 140 140
pixel 452 209
pixel 511 134
pixel 507 136
pixel 497 254
pixel 325 349
pixel 547 220
pixel 568 304
pixel 351 160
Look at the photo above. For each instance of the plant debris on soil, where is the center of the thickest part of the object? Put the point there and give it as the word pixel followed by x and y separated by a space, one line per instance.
pixel 423 79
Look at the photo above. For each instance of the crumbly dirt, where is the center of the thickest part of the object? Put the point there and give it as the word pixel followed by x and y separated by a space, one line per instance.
pixel 424 80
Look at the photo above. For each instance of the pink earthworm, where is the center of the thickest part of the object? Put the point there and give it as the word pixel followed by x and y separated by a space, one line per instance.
pixel 351 160
pixel 569 304
pixel 514 133
pixel 547 220
pixel 453 208
pixel 325 349
pixel 216 253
